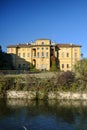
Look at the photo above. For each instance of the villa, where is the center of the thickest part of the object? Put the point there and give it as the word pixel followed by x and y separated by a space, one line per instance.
pixel 40 54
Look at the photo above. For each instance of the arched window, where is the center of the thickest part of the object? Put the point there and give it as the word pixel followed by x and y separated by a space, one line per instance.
pixel 42 43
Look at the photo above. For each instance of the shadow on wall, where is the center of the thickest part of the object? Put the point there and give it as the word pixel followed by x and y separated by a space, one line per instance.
pixel 13 64
pixel 20 63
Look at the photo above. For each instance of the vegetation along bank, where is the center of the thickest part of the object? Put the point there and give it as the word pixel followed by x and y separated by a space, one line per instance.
pixel 64 85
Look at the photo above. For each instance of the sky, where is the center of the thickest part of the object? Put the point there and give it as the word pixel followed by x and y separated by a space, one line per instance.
pixel 62 21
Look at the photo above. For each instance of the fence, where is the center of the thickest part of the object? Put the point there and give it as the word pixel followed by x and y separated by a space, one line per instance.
pixel 16 72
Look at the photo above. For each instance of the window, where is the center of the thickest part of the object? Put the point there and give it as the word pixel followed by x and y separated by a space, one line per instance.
pixel 42 43
pixel 62 66
pixel 23 54
pixel 46 48
pixel 19 66
pixel 67 54
pixel 42 48
pixel 42 67
pixel 46 54
pixel 38 48
pixel 23 65
pixel 67 65
pixel 42 54
pixel 37 54
pixel 28 54
pixel 12 49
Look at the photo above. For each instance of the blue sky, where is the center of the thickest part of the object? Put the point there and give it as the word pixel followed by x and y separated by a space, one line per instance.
pixel 62 21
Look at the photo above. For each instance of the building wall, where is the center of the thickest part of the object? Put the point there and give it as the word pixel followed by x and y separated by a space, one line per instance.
pixel 42 57
pixel 43 42
pixel 24 57
pixel 13 52
pixel 41 54
pixel 68 57
pixel 65 58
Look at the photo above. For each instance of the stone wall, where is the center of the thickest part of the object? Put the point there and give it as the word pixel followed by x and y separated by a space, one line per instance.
pixel 50 95
pixel 21 94
pixel 67 95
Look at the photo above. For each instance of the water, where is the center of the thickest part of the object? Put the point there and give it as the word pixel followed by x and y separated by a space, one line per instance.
pixel 43 115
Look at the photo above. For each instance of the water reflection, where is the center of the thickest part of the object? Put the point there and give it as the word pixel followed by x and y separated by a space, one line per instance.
pixel 25 102
pixel 43 115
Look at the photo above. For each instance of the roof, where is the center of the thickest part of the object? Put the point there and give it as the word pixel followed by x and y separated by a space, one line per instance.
pixel 19 45
pixel 29 45
pixel 68 45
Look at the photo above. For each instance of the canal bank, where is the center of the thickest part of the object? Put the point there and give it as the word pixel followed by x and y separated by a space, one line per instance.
pixel 58 86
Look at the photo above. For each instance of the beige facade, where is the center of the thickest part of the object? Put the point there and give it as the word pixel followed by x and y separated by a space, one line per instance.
pixel 39 53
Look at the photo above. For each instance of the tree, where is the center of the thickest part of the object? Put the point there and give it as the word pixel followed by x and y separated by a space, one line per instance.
pixel 0 49
pixel 65 78
pixel 53 63
pixel 81 69
pixel 5 60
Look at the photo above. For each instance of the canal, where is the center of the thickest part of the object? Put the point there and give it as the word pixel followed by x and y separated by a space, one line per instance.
pixel 43 115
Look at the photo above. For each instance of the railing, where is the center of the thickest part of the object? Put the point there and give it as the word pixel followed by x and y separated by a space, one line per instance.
pixel 13 71
pixel 39 57
pixel 6 72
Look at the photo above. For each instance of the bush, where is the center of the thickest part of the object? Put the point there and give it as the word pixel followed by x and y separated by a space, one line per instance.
pixel 65 79
pixel 53 63
pixel 81 69
pixel 31 66
pixel 53 66
pixel 6 83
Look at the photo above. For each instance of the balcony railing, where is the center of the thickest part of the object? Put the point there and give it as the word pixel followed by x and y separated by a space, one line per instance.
pixel 39 57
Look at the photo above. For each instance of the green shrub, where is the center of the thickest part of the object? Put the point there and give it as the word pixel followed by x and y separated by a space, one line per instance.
pixel 31 66
pixel 53 66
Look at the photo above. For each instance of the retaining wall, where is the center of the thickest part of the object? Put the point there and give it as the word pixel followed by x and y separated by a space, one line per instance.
pixel 50 95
